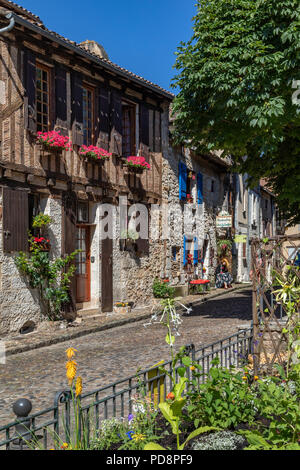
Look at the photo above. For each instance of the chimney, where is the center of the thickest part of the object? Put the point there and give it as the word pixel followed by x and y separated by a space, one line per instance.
pixel 95 48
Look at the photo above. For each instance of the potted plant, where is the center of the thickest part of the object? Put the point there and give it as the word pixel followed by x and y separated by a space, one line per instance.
pixel 122 307
pixel 52 140
pixel 91 152
pixel 42 243
pixel 137 164
pixel 189 199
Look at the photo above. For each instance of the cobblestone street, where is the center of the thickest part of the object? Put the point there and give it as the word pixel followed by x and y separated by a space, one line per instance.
pixel 113 354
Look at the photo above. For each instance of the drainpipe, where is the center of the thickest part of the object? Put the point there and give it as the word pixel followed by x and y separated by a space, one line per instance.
pixel 10 17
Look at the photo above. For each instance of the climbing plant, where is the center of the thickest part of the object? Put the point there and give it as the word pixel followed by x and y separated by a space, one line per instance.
pixel 51 278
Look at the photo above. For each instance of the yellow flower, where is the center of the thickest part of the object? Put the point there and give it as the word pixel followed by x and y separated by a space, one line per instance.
pixel 244 378
pixel 70 352
pixel 64 446
pixel 138 437
pixel 71 367
pixel 255 377
pixel 193 368
pixel 78 388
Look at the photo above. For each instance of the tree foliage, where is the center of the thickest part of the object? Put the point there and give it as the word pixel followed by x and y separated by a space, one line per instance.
pixel 236 78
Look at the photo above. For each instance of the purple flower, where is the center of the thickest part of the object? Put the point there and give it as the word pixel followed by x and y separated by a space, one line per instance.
pixel 130 417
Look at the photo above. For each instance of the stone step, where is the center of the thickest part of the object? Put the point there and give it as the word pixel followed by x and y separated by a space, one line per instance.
pixel 88 312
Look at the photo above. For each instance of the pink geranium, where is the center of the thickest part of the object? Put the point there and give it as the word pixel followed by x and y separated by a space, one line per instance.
pixel 97 153
pixel 137 162
pixel 54 140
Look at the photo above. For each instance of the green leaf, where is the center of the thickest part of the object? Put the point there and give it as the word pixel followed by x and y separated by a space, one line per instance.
pixel 197 432
pixel 153 446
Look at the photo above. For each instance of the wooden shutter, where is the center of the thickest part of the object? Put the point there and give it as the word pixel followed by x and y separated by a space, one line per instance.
pixel 69 230
pixel 151 130
pixel 61 124
pixel 144 132
pixel 30 93
pixel 116 123
pixel 102 133
pixel 200 188
pixel 77 110
pixel 182 181
pixel 157 132
pixel 15 220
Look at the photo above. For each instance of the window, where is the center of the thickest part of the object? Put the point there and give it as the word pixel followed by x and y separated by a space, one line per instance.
pixel 83 212
pixel 128 129
pixel 88 114
pixel 42 98
pixel 33 210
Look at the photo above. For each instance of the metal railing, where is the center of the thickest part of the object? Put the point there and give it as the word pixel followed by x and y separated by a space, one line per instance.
pixel 116 399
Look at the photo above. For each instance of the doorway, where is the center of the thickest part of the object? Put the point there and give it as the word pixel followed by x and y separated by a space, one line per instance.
pixel 83 264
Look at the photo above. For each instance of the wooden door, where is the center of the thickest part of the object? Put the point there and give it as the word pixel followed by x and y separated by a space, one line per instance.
pixel 107 275
pixel 83 264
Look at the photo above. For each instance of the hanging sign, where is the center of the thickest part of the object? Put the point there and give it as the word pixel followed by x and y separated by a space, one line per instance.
pixel 224 220
pixel 240 239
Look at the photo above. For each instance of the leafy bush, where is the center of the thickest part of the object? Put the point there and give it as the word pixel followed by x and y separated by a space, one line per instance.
pixel 222 440
pixel 162 291
pixel 224 400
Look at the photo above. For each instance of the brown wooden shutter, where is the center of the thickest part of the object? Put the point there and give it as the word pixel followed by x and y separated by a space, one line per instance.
pixel 61 100
pixel 144 132
pixel 77 110
pixel 116 123
pixel 69 230
pixel 157 131
pixel 151 130
pixel 107 275
pixel 30 93
pixel 15 220
pixel 103 118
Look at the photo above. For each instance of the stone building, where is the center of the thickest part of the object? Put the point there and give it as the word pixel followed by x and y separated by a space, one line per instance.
pixel 196 189
pixel 48 82
pixel 255 217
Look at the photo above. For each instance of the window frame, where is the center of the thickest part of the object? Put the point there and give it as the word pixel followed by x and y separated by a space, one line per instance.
pixel 39 125
pixel 89 88
pixel 133 128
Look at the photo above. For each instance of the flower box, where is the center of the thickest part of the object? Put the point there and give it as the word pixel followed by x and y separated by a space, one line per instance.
pixel 136 164
pixel 52 140
pixel 122 308
pixel 93 153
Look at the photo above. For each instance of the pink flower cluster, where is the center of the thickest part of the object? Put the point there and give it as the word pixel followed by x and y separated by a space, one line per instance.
pixel 97 153
pixel 137 162
pixel 54 140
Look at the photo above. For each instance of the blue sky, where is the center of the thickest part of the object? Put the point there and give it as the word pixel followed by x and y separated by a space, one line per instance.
pixel 140 35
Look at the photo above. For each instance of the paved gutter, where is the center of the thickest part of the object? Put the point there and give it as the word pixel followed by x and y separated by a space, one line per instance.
pixel 59 336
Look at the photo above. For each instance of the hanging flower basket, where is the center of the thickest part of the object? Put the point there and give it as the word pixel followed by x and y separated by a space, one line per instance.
pixel 52 140
pixel 93 153
pixel 137 164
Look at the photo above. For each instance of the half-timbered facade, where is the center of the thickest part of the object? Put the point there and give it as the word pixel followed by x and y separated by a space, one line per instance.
pixel 48 82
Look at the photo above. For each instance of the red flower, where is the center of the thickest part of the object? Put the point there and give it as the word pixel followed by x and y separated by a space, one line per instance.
pixel 170 396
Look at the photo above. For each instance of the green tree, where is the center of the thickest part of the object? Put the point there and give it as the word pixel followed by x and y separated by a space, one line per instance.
pixel 237 76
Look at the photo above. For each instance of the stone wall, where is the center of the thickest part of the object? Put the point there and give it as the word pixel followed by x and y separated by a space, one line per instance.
pixel 201 217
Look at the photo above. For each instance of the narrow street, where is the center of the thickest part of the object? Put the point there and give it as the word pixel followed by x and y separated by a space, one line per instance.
pixel 113 354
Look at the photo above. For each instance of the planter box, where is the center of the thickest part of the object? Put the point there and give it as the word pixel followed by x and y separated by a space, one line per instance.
pixel 122 310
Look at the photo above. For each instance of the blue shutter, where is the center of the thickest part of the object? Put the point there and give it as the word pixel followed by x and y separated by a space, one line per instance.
pixel 182 181
pixel 184 252
pixel 200 188
pixel 196 251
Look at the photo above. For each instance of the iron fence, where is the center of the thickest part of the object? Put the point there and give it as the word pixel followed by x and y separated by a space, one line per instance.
pixel 117 399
